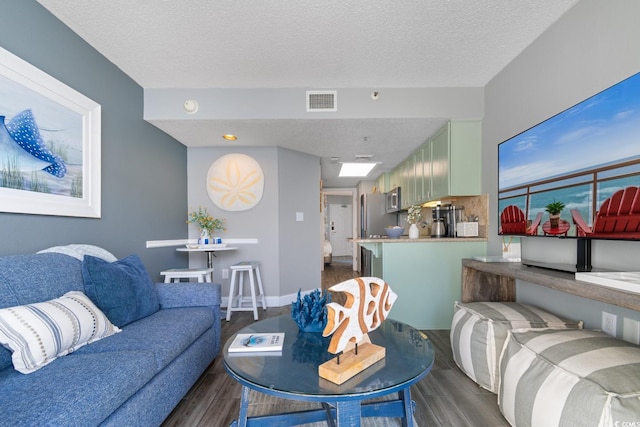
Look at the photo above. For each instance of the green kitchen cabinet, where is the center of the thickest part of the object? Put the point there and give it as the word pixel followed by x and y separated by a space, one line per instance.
pixel 423 173
pixel 455 159
pixel 382 183
pixel 447 164
pixel 405 178
pixel 394 178
pixel 410 178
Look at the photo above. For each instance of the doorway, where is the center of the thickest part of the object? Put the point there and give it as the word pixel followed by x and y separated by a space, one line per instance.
pixel 340 229
pixel 347 196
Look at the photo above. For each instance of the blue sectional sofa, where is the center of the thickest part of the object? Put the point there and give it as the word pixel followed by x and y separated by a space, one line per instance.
pixel 135 376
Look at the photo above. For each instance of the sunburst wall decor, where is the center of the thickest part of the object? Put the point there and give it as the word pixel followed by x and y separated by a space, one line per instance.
pixel 235 182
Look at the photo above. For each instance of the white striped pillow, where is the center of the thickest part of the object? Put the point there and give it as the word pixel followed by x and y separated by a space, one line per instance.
pixel 41 332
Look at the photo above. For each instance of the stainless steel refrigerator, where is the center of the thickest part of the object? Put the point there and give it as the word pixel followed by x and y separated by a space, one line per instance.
pixel 373 215
pixel 373 220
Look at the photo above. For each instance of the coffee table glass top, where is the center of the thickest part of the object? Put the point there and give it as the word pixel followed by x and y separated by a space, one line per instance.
pixel 409 356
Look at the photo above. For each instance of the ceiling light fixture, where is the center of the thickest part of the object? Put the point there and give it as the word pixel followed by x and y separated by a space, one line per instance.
pixel 230 137
pixel 358 169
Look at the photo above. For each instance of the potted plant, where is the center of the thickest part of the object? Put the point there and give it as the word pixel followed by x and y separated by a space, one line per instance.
pixel 554 209
pixel 206 222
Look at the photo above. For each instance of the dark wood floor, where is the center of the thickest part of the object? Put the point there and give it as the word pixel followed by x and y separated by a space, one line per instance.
pixel 445 397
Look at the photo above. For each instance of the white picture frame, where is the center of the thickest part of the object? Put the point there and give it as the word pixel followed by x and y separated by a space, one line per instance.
pixel 69 125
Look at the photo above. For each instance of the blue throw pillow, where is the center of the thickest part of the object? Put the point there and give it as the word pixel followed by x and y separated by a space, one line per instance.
pixel 123 289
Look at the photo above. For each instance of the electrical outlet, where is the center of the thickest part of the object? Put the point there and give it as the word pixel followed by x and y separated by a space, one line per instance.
pixel 225 273
pixel 609 323
pixel 631 331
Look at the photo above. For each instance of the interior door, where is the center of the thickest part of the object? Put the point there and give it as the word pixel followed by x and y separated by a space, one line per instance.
pixel 340 229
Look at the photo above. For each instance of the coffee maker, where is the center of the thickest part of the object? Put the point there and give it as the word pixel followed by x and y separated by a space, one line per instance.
pixel 445 219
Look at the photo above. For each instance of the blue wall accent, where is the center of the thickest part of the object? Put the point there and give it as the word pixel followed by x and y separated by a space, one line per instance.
pixel 144 176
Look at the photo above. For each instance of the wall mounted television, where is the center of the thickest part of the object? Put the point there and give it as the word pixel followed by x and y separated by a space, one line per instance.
pixel 586 157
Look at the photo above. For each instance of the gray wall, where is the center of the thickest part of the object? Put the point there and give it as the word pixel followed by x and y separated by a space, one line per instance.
pixel 143 169
pixel 300 242
pixel 592 47
pixel 289 251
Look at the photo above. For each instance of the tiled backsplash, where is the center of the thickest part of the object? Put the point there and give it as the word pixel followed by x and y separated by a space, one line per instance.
pixel 473 205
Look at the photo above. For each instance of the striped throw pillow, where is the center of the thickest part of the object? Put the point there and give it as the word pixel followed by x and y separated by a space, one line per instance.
pixel 39 333
pixel 479 330
pixel 569 378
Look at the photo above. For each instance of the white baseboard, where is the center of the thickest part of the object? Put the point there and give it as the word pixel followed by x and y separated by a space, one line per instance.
pixel 280 301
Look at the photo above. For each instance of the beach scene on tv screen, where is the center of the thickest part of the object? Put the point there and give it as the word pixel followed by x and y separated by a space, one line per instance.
pixel 579 157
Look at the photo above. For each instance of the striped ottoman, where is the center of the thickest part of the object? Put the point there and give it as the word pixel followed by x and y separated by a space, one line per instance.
pixel 569 378
pixel 479 330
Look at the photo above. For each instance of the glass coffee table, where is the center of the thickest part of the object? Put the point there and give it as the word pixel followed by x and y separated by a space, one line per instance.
pixel 293 374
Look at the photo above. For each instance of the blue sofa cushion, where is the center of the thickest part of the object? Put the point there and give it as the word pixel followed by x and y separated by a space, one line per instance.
pixel 175 328
pixel 25 279
pixel 5 358
pixel 39 333
pixel 122 289
pixel 78 389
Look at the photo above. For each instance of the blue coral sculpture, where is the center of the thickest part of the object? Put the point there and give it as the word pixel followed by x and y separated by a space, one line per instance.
pixel 309 311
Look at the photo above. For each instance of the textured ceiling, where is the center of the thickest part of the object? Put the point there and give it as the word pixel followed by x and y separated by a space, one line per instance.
pixel 311 44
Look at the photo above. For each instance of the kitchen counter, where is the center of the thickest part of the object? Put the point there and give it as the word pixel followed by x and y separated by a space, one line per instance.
pixel 425 273
pixel 405 239
pixel 375 244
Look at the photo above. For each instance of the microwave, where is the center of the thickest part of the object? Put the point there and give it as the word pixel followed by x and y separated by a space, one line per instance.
pixel 393 200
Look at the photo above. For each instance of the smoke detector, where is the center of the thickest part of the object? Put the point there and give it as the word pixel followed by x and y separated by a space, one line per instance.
pixel 190 106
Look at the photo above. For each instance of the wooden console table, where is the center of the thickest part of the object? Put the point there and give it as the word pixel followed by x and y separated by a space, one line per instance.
pixel 496 281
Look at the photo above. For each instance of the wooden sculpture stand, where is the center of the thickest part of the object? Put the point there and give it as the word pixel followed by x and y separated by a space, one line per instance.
pixel 350 362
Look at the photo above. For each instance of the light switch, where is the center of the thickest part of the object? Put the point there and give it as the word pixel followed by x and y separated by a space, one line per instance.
pixel 299 216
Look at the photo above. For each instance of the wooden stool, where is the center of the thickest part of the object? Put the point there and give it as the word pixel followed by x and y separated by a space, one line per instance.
pixel 175 274
pixel 237 271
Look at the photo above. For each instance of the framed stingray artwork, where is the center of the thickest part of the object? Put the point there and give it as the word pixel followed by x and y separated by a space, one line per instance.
pixel 49 144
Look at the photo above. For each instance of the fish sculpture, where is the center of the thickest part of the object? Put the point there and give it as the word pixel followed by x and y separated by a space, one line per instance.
pixel 368 302
pixel 22 147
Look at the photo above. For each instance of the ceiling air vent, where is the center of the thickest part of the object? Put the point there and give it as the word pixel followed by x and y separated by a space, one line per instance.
pixel 322 100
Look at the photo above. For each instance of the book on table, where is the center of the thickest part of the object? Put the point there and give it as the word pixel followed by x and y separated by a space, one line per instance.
pixel 257 342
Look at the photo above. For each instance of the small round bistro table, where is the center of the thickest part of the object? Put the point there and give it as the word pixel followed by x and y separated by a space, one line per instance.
pixel 293 374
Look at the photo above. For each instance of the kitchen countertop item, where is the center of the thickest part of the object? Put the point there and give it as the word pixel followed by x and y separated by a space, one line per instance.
pixel 438 228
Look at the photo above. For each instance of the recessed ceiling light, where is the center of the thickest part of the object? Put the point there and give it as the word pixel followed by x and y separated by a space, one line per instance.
pixel 359 169
pixel 230 137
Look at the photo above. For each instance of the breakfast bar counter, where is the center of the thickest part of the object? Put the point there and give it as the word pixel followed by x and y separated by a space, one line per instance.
pixel 426 274
pixel 421 240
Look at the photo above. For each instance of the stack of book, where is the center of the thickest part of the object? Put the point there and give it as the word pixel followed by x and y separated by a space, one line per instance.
pixel 270 342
